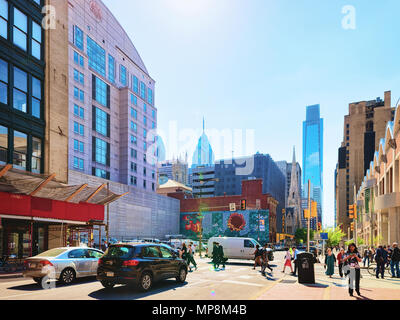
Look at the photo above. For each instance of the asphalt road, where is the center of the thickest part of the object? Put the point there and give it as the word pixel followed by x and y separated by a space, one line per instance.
pixel 237 282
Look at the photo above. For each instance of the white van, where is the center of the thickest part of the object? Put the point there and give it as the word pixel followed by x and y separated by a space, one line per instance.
pixel 236 248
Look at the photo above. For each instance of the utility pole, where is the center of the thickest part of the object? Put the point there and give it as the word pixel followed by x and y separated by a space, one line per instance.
pixel 108 216
pixel 309 217
pixel 355 216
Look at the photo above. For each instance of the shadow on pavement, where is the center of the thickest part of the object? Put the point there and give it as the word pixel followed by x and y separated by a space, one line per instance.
pixel 130 292
pixel 36 287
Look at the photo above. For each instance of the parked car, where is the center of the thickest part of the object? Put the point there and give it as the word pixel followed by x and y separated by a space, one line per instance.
pixel 63 264
pixel 140 265
pixel 237 248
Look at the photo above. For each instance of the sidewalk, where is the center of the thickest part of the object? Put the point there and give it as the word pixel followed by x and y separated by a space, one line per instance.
pixel 12 275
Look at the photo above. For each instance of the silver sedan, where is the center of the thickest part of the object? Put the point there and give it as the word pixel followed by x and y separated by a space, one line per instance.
pixel 64 264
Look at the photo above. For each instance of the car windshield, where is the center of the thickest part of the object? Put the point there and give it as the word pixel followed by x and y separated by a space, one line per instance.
pixel 120 252
pixel 52 253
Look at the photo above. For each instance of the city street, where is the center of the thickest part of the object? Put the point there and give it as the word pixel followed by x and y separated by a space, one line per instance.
pixel 237 282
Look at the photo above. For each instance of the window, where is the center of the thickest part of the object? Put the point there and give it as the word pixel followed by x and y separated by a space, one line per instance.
pixel 153 114
pixel 20 150
pixel 111 68
pixel 142 90
pixel 3 18
pixel 101 151
pixel 133 167
pixel 153 186
pixel 79 112
pixel 3 144
pixel 79 77
pixel 101 91
pixel 101 122
pixel 134 153
pixel 78 254
pixel 3 81
pixel 78 59
pixel 101 173
pixel 81 96
pixel 248 244
pixel 145 120
pixel 79 146
pixel 134 126
pixel 79 38
pixel 79 163
pixel 144 108
pixel 36 155
pixel 20 29
pixel 144 184
pixel 97 57
pixel 145 133
pixel 133 181
pixel 165 253
pixel 36 40
pixel 144 171
pixel 150 96
pixel 133 99
pixel 133 113
pixel 135 85
pixel 36 97
pixel 79 129
pixel 153 125
pixel 122 75
pixel 20 89
pixel 133 140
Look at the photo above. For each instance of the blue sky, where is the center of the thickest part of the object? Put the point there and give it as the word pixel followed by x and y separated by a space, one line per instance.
pixel 256 64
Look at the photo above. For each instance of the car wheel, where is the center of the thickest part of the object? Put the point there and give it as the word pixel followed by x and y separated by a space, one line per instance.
pixel 181 278
pixel 107 284
pixel 67 276
pixel 146 281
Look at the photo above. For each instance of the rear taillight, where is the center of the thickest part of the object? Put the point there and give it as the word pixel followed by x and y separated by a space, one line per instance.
pixel 100 262
pixel 130 263
pixel 46 263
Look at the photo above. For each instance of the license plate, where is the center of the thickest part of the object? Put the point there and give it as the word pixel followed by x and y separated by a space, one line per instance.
pixel 110 274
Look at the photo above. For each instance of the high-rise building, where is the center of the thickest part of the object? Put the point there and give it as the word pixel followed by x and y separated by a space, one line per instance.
pixel 364 126
pixel 313 147
pixel 113 122
pixel 203 155
pixel 176 170
pixel 230 174
pixel 286 169
pixel 293 216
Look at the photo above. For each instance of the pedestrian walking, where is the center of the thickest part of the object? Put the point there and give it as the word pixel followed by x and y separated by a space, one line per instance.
pixel 395 261
pixel 184 251
pixel 265 261
pixel 288 261
pixel 352 259
pixel 381 261
pixel 340 262
pixel 215 258
pixel 190 258
pixel 257 257
pixel 295 253
pixel 330 263
pixel 366 257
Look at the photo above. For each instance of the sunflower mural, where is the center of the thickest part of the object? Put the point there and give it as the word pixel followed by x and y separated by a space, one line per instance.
pixel 236 222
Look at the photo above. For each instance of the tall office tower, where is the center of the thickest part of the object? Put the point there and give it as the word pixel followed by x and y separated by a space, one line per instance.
pixel 230 174
pixel 203 155
pixel 364 126
pixel 313 148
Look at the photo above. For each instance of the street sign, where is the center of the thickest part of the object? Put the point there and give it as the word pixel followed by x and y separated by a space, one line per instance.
pixel 232 207
pixel 324 236
pixel 262 225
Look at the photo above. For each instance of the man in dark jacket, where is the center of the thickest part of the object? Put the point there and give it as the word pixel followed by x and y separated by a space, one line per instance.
pixel 381 261
pixel 395 261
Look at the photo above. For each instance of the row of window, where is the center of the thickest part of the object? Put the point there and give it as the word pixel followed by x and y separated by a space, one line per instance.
pixel 133 182
pixel 97 62
pixel 26 150
pixel 25 33
pixel 20 89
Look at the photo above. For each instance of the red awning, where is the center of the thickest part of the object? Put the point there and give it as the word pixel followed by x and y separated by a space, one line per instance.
pixel 28 206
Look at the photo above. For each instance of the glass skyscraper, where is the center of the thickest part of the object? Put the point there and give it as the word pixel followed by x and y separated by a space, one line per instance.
pixel 313 146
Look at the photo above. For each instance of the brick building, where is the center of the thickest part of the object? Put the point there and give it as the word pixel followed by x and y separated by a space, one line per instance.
pixel 257 221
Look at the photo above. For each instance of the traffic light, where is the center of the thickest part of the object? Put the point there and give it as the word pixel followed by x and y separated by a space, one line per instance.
pixel 319 227
pixel 314 211
pixel 306 214
pixel 352 226
pixel 351 211
pixel 355 211
pixel 243 205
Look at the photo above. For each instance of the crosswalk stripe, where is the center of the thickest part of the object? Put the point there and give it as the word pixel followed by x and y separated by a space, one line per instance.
pixel 243 283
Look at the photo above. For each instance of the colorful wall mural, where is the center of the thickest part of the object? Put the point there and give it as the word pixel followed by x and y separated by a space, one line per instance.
pixel 248 224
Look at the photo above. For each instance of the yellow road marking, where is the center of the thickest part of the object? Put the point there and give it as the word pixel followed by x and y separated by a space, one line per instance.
pixel 327 293
pixel 267 289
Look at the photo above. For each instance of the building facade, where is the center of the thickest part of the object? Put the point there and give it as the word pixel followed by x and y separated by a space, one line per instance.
pixel 203 181
pixel 230 174
pixel 176 170
pixel 364 126
pixel 257 221
pixel 313 148
pixel 378 198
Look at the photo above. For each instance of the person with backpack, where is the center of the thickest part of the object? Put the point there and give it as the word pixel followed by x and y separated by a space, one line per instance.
pixel 395 261
pixel 381 261
pixel 257 257
pixel 265 261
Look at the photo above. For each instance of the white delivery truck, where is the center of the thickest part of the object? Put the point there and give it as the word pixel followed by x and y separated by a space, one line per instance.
pixel 236 248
